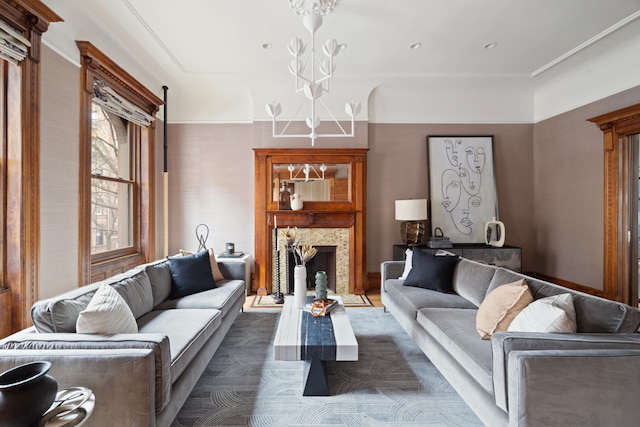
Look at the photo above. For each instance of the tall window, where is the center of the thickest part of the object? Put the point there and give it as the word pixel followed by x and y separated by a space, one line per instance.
pixel 113 182
pixel 117 137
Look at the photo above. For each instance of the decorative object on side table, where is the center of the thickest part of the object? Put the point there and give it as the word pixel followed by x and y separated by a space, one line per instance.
pixel 26 392
pixel 439 240
pixel 494 233
pixel 411 213
pixel 202 234
pixel 71 407
pixel 231 248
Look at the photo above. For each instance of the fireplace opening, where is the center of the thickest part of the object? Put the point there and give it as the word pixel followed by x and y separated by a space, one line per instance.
pixel 325 260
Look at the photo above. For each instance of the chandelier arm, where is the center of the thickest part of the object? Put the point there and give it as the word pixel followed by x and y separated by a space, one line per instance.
pixel 288 123
pixel 336 120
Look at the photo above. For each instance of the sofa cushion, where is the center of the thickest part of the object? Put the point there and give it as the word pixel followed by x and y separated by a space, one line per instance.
pixel 593 314
pixel 500 306
pixel 160 279
pixel 455 330
pixel 410 299
pixel 136 292
pixel 107 313
pixel 190 274
pixel 188 331
pixel 549 314
pixel 431 272
pixel 471 280
pixel 222 298
pixel 60 313
pixel 215 268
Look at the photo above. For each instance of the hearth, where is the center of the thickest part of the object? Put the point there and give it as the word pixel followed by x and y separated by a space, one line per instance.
pixel 325 260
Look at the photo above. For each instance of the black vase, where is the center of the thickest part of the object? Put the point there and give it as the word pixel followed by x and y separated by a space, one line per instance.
pixel 26 392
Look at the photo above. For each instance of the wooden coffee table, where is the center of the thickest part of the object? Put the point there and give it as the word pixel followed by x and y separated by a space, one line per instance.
pixel 316 340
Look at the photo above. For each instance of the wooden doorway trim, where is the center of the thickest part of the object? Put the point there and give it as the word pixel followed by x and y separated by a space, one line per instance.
pixel 618 231
pixel 22 133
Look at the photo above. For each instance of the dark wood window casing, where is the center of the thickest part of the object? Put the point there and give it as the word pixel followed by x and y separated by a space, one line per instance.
pixel 96 65
pixel 19 284
pixel 619 228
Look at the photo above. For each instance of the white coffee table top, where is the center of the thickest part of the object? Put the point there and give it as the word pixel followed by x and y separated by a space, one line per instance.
pixel 291 341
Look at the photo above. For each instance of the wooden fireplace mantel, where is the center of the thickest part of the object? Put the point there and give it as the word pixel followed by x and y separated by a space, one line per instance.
pixel 350 214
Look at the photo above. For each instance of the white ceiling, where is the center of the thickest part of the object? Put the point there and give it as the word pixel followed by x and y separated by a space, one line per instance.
pixel 210 54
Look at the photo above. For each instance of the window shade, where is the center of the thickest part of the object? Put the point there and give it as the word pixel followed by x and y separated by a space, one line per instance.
pixel 13 45
pixel 108 99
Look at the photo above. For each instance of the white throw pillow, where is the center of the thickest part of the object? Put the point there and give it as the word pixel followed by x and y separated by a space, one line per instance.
pixel 107 313
pixel 551 314
pixel 407 264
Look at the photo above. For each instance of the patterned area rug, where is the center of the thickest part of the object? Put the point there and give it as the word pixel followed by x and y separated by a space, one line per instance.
pixel 393 383
pixel 349 300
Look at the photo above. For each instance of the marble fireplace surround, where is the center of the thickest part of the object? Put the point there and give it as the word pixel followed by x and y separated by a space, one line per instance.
pixel 323 223
pixel 335 237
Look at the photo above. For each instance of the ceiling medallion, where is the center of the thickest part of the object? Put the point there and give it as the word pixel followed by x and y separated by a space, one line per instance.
pixel 319 7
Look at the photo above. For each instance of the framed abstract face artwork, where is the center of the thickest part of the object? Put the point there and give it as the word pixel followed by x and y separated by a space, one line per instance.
pixel 462 186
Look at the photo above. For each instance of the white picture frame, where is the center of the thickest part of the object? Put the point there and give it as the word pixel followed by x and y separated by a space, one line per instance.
pixel 462 186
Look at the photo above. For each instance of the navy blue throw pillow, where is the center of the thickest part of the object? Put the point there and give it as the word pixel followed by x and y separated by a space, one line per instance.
pixel 190 274
pixel 431 271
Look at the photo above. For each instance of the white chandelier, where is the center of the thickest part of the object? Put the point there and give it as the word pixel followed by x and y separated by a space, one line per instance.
pixel 306 172
pixel 312 88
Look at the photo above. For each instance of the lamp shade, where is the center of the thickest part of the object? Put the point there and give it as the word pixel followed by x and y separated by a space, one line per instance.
pixel 411 210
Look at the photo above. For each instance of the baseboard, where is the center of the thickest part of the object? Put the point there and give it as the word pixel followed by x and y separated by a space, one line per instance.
pixel 373 281
pixel 567 284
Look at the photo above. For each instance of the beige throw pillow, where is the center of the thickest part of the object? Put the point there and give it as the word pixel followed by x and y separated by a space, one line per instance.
pixel 500 306
pixel 107 313
pixel 215 269
pixel 550 314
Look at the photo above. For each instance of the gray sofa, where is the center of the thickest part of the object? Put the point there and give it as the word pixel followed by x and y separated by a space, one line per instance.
pixel 589 378
pixel 138 379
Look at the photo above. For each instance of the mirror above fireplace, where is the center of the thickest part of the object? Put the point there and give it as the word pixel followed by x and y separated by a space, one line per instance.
pixel 314 182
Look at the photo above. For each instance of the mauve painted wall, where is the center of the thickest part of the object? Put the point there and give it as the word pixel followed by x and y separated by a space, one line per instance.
pixel 397 169
pixel 569 191
pixel 211 181
pixel 59 154
pixel 559 225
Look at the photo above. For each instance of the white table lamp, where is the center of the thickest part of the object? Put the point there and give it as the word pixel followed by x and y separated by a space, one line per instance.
pixel 411 213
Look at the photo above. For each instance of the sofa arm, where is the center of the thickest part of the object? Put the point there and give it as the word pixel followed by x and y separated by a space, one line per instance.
pixel 158 344
pixel 503 343
pixel 573 387
pixel 121 380
pixel 390 270
pixel 233 270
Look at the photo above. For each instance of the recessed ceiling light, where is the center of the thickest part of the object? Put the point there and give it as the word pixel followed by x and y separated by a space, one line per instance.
pixel 266 45
pixel 490 45
pixel 415 45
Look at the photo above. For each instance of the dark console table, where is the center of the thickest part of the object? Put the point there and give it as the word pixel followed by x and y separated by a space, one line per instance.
pixel 507 256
